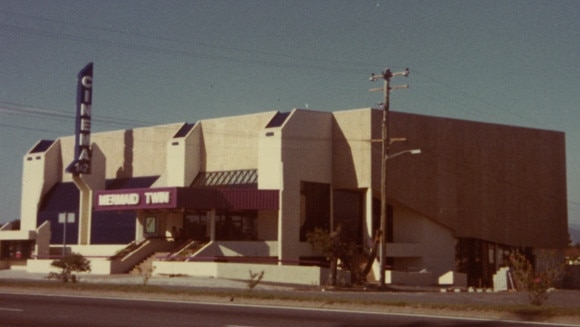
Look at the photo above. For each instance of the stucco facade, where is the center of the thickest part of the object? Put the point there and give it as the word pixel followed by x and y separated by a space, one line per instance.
pixel 248 188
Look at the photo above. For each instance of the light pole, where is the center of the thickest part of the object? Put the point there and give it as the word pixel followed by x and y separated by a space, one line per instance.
pixel 386 76
pixel 383 239
pixel 414 151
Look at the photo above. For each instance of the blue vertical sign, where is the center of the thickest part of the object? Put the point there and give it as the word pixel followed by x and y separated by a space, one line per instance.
pixel 82 160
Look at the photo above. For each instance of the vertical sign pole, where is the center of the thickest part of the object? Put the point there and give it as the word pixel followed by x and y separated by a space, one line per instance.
pixel 62 220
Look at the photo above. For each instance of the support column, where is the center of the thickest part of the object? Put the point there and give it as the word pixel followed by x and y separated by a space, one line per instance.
pixel 368 218
pixel 85 206
pixel 212 221
pixel 139 229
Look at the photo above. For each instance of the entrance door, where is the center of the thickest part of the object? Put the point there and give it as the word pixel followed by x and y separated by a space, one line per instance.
pixel 196 226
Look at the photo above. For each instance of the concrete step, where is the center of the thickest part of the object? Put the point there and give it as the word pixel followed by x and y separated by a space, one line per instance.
pixel 147 263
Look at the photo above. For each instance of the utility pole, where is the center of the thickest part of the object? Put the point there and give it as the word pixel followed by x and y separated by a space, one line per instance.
pixel 386 141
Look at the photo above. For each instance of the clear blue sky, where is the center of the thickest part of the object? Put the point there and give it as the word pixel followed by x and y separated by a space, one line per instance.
pixel 509 62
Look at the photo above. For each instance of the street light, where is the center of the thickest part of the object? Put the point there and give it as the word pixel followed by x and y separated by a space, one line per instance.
pixel 383 239
pixel 414 151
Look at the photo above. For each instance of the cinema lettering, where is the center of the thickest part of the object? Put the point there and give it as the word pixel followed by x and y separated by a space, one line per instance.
pixel 122 199
pixel 135 199
pixel 82 154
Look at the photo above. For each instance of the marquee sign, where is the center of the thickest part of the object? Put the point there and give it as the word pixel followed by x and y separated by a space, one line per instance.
pixel 170 198
pixel 82 160
pixel 131 199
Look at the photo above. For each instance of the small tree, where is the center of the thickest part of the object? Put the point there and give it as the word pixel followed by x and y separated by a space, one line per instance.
pixel 333 247
pixel 145 273
pixel 69 264
pixel 255 279
pixel 535 281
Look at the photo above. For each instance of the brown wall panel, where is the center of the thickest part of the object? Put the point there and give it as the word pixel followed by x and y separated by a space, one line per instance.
pixel 500 183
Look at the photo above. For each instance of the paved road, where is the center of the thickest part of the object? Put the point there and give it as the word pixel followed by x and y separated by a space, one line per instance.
pixel 56 310
pixel 412 297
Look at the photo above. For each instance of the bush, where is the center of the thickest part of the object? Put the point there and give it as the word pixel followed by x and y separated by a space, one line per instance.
pixel 69 264
pixel 146 273
pixel 535 281
pixel 255 279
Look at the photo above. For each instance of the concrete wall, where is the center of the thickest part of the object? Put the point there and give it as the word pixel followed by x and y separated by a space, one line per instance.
pixel 98 267
pixel 183 159
pixel 408 278
pixel 270 165
pixel 356 158
pixel 352 149
pixel 306 156
pixel 18 235
pixel 40 266
pixel 96 179
pixel 231 143
pixel 434 242
pixel 313 276
pixel 126 153
pixel 96 250
pixel 452 278
pixel 238 249
pixel 42 246
pixel 270 176
pixel 482 179
pixel 40 171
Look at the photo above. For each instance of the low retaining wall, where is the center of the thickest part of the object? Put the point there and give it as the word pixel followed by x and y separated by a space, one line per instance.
pixel 43 266
pixel 408 278
pixel 302 275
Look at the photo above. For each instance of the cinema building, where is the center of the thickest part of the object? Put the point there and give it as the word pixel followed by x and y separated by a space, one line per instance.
pixel 220 197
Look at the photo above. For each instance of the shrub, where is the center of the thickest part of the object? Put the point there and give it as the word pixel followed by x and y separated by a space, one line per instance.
pixel 535 281
pixel 69 264
pixel 255 279
pixel 146 273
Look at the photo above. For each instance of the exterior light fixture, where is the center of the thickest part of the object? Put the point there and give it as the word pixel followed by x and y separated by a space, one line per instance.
pixel 413 151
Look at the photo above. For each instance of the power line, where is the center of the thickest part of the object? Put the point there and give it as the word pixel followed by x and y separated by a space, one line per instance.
pixel 324 66
pixel 335 63
pixel 229 49
pixel 19 109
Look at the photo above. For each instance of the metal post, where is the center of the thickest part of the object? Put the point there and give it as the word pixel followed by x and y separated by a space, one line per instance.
pixel 64 218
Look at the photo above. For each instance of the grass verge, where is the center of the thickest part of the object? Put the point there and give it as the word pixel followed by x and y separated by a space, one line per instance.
pixel 287 298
